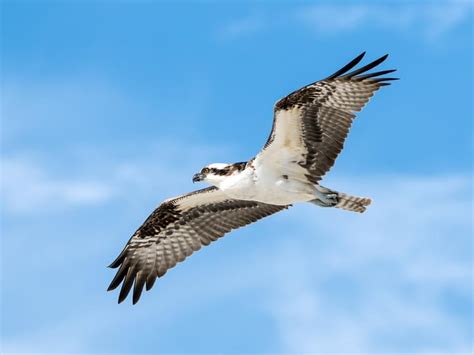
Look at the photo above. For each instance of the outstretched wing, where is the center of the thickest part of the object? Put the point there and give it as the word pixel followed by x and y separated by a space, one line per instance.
pixel 311 124
pixel 176 229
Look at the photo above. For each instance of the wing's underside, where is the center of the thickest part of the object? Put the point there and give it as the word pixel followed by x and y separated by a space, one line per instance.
pixel 176 229
pixel 312 123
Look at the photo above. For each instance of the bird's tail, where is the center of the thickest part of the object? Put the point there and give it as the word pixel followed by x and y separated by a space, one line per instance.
pixel 352 203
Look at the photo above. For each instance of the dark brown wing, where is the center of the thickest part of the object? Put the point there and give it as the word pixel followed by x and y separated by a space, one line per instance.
pixel 176 229
pixel 312 123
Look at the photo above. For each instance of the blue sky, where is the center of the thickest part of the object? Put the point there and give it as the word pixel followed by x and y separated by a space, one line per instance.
pixel 108 108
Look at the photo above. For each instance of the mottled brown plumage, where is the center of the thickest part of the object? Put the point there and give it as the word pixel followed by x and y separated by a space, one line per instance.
pixel 175 230
pixel 325 110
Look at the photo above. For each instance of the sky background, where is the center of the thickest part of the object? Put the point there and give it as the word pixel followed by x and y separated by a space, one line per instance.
pixel 110 107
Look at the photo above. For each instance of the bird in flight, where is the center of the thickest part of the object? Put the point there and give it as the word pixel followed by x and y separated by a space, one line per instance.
pixel 309 129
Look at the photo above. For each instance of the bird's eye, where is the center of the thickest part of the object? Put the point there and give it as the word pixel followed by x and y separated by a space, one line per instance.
pixel 205 170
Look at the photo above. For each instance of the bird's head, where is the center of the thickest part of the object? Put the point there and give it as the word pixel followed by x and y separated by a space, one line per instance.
pixel 216 173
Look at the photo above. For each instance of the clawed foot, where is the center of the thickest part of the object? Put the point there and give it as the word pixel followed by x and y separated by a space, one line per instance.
pixel 330 199
pixel 326 197
pixel 326 200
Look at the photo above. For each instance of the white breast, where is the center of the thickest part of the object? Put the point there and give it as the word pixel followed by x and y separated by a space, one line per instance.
pixel 265 185
pixel 240 185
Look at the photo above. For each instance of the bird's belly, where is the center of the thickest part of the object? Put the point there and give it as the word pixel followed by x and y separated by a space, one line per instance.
pixel 271 189
pixel 283 191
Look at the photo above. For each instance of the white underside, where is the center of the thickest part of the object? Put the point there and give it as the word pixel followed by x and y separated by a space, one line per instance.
pixel 280 186
pixel 275 176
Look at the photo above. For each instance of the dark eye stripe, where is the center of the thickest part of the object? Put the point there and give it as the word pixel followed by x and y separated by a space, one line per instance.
pixel 228 170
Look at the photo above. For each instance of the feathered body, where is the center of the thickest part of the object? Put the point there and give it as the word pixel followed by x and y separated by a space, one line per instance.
pixel 257 183
pixel 309 129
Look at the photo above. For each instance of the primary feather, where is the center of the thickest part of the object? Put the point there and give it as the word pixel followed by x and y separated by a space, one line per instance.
pixel 176 229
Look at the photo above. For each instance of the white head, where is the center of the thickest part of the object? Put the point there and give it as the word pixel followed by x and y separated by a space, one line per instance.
pixel 216 173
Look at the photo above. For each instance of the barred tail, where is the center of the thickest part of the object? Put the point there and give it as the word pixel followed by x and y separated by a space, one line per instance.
pixel 352 203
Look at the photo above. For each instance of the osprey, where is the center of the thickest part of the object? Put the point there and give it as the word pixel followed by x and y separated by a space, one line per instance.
pixel 309 129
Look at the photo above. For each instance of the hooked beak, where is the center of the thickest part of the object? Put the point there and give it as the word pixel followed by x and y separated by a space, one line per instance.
pixel 198 177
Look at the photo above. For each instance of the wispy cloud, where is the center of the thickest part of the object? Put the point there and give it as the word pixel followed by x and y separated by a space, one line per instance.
pixel 384 277
pixel 34 185
pixel 47 164
pixel 26 187
pixel 428 20
pixel 395 279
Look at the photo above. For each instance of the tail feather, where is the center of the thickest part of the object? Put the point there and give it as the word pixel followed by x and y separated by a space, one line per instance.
pixel 352 203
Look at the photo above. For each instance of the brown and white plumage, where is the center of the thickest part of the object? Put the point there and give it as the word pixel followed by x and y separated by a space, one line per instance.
pixel 176 229
pixel 314 121
pixel 310 126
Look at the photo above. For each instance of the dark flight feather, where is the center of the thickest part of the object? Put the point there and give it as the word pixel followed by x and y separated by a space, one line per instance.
pixel 325 111
pixel 175 230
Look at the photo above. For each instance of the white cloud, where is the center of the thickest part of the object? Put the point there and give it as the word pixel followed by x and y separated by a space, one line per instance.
pixel 335 18
pixel 26 186
pixel 330 280
pixel 442 18
pixel 382 276
pixel 56 170
pixel 430 19
pixel 34 185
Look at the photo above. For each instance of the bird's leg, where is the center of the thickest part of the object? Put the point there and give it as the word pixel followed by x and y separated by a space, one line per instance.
pixel 325 197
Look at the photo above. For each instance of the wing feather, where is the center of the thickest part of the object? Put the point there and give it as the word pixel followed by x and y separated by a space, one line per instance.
pixel 311 124
pixel 176 229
